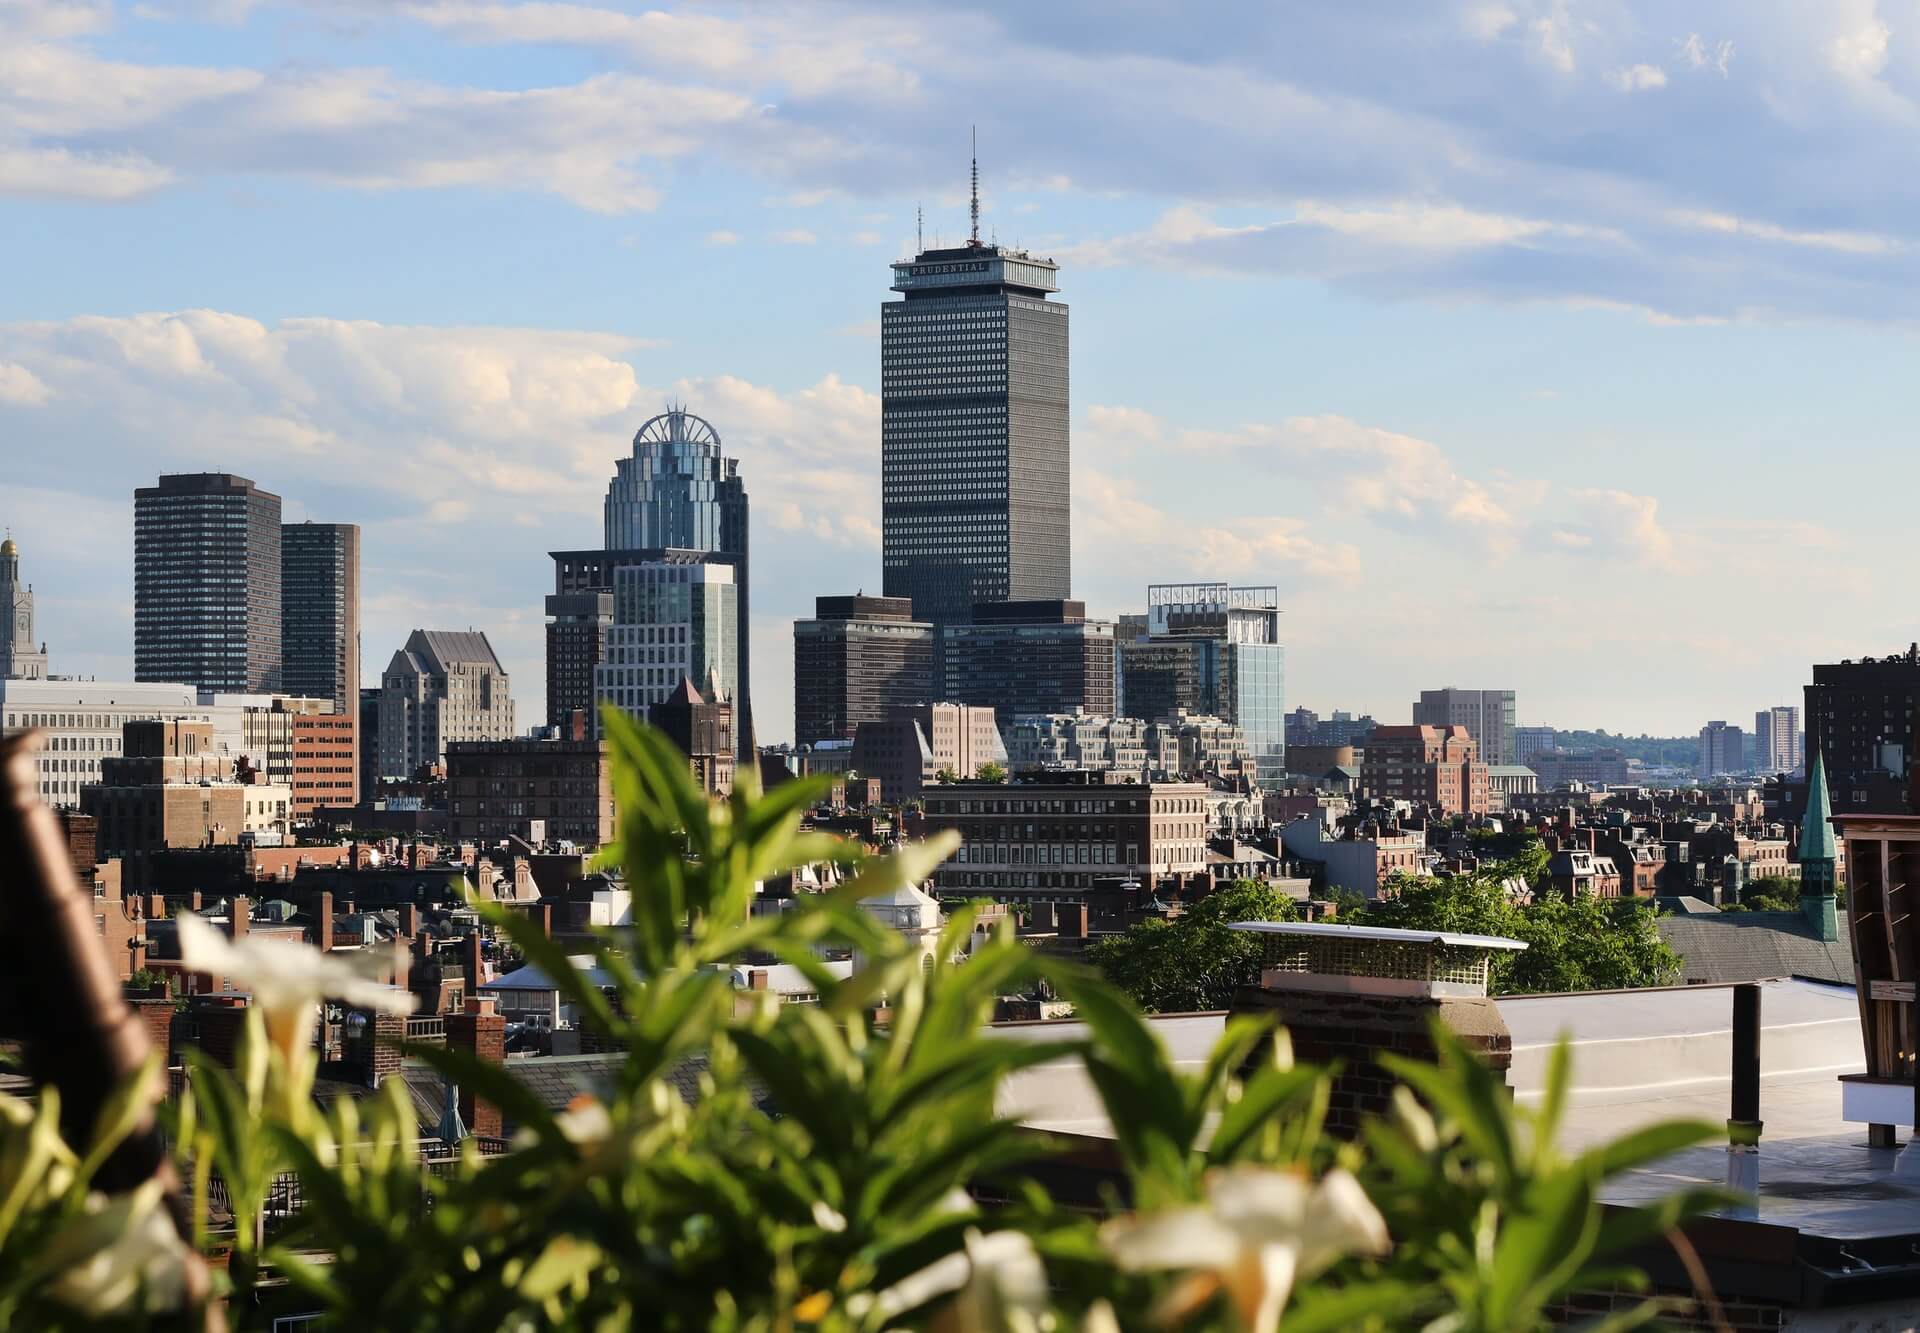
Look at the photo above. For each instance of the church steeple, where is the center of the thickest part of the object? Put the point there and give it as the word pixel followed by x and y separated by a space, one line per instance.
pixel 1818 855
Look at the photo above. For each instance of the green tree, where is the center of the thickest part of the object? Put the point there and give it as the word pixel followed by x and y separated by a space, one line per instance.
pixel 1774 893
pixel 991 772
pixel 946 775
pixel 1194 961
pixel 1580 943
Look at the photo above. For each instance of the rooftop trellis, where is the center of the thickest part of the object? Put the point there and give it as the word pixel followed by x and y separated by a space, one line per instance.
pixel 1375 959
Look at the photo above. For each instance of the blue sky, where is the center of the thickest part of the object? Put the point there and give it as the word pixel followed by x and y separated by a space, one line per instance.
pixel 1533 343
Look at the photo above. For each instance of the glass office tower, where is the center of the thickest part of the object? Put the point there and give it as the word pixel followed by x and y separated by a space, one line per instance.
pixel 1213 649
pixel 975 481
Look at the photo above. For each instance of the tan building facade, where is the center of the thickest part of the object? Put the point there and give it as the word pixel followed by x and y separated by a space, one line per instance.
pixel 1044 839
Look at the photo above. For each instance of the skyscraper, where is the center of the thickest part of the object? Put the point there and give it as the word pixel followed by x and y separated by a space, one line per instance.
pixel 1776 740
pixel 444 686
pixel 1486 714
pixel 206 583
pixel 20 657
pixel 973 438
pixel 320 612
pixel 676 494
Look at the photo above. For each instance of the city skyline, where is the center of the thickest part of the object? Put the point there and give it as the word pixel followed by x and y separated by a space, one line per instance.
pixel 1479 410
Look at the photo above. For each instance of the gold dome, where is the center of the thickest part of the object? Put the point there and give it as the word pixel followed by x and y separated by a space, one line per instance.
pixel 8 547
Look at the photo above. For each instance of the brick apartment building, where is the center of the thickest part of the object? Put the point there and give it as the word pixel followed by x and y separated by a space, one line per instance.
pixel 1432 765
pixel 560 790
pixel 1059 835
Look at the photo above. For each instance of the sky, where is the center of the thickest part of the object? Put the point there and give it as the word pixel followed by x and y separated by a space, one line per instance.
pixel 1552 345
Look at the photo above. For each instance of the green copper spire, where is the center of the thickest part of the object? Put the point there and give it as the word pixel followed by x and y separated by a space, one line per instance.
pixel 1817 856
pixel 1816 831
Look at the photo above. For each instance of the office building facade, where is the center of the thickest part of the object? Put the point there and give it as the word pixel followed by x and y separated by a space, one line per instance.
pixel 1029 657
pixel 444 686
pixel 672 621
pixel 320 612
pixel 1488 716
pixel 910 747
pixel 84 724
pixel 1529 741
pixel 678 491
pixel 974 443
pixel 1427 765
pixel 1213 650
pixel 206 583
pixel 856 658
pixel 21 656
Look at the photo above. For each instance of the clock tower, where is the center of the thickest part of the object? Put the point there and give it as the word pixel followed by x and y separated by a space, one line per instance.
pixel 20 658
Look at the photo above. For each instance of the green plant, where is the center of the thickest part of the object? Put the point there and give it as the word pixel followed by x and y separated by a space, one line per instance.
pixel 851 1165
pixel 1193 962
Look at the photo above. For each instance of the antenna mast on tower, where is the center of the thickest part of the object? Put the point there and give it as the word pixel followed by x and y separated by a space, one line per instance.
pixel 919 229
pixel 976 188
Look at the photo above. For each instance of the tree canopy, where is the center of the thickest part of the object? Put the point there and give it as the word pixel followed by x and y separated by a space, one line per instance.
pixel 1193 962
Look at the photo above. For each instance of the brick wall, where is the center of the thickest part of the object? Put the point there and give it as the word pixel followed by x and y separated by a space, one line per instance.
pixel 484 1034
pixel 1355 1029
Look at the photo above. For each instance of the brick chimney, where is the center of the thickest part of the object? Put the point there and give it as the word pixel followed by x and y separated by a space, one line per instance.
pixel 240 910
pixel 323 925
pixel 484 1033
pixel 409 920
pixel 1348 993
pixel 471 963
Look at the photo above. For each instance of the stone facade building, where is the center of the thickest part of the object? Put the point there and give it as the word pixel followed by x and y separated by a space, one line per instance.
pixel 444 686
pixel 702 725
pixel 1488 716
pixel 21 658
pixel 910 747
pixel 1051 837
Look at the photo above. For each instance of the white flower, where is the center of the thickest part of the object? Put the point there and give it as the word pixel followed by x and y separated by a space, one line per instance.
pixel 1259 1231
pixel 289 979
pixel 120 1254
pixel 998 1281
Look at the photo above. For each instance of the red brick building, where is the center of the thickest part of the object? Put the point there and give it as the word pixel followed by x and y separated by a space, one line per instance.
pixel 1435 765
pixel 326 762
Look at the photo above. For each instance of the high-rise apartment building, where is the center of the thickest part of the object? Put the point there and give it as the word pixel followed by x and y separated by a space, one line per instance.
pixel 1488 716
pixel 673 621
pixel 320 612
pixel 1213 650
pixel 444 686
pixel 1776 740
pixel 20 657
pixel 679 491
pixel 1723 749
pixel 975 484
pixel 1029 657
pixel 206 583
pixel 1861 718
pixel 857 657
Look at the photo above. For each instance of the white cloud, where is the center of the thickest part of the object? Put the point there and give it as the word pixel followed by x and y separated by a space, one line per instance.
pixel 796 236
pixel 1862 52
pixel 1696 54
pixel 21 386
pixel 723 238
pixel 56 173
pixel 1638 78
pixel 1844 242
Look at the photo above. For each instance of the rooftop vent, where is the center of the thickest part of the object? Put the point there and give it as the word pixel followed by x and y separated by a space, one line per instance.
pixel 1375 960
